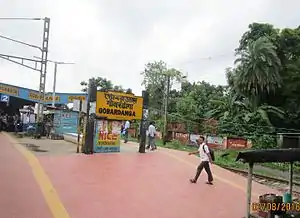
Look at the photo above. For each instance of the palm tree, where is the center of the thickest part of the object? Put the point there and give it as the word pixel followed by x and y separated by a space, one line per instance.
pixel 259 68
pixel 251 109
pixel 223 107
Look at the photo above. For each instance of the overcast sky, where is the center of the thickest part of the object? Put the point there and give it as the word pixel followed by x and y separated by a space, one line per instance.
pixel 116 38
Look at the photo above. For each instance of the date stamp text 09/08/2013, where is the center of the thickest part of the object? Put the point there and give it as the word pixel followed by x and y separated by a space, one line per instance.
pixel 275 207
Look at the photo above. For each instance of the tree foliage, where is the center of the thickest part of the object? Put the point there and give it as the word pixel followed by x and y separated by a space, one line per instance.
pixel 104 84
pixel 260 99
pixel 155 76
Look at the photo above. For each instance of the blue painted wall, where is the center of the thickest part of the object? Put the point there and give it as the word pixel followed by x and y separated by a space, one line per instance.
pixel 32 95
pixel 65 122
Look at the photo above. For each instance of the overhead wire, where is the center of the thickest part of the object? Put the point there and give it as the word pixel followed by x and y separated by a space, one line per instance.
pixel 20 42
pixel 20 18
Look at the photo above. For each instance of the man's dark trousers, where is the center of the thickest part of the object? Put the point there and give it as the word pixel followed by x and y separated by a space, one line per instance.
pixel 126 136
pixel 205 165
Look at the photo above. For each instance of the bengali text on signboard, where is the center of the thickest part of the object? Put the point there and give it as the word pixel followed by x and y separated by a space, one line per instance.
pixel 119 106
pixel 236 143
pixel 36 96
pixel 9 90
pixel 50 98
pixel 71 98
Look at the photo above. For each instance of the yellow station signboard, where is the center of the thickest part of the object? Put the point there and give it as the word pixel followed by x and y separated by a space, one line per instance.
pixel 71 98
pixel 48 98
pixel 9 90
pixel 119 106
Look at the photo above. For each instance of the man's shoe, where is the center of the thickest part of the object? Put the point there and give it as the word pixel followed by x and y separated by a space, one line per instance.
pixel 192 181
pixel 209 183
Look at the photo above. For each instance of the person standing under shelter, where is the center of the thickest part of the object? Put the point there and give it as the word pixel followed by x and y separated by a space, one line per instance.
pixel 122 130
pixel 151 136
pixel 126 128
pixel 205 158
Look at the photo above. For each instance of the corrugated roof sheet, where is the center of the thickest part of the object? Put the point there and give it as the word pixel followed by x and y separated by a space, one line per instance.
pixel 270 155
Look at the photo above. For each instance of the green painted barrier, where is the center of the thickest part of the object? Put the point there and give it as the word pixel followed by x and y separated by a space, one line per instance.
pixel 287 198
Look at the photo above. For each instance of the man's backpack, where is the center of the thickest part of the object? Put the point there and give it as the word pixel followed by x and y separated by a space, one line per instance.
pixel 211 152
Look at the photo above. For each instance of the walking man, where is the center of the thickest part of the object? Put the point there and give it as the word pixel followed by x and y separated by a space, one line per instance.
pixel 205 158
pixel 126 127
pixel 151 136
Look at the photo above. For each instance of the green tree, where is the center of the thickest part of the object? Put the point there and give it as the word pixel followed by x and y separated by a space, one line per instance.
pixel 287 42
pixel 260 66
pixel 155 76
pixel 195 103
pixel 251 109
pixel 257 31
pixel 224 107
pixel 154 82
pixel 104 84
pixel 101 83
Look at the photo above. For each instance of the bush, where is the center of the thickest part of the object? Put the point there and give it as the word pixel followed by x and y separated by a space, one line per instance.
pixel 176 144
pixel 264 141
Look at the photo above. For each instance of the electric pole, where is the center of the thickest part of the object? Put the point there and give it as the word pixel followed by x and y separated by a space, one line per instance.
pixel 166 109
pixel 56 63
pixel 42 62
pixel 43 71
pixel 166 103
pixel 54 85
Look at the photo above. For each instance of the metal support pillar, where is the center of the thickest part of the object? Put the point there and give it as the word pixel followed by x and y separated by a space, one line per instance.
pixel 56 63
pixel 87 128
pixel 79 127
pixel 144 123
pixel 43 70
pixel 291 179
pixel 249 190
pixel 54 85
pixel 83 135
pixel 166 111
pixel 89 136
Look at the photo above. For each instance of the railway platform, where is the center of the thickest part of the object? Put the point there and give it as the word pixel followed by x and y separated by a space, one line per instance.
pixel 126 184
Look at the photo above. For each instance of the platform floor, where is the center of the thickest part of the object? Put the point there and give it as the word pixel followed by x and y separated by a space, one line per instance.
pixel 126 184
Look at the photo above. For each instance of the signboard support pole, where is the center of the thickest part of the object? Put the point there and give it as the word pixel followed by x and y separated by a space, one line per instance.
pixel 249 190
pixel 83 135
pixel 79 127
pixel 143 126
pixel 87 128
pixel 89 136
pixel 291 178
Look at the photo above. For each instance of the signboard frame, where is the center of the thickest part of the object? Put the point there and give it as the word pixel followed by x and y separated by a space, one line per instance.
pixel 118 106
pixel 107 138
pixel 34 96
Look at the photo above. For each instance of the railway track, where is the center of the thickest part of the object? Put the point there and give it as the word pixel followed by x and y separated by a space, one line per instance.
pixel 276 183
